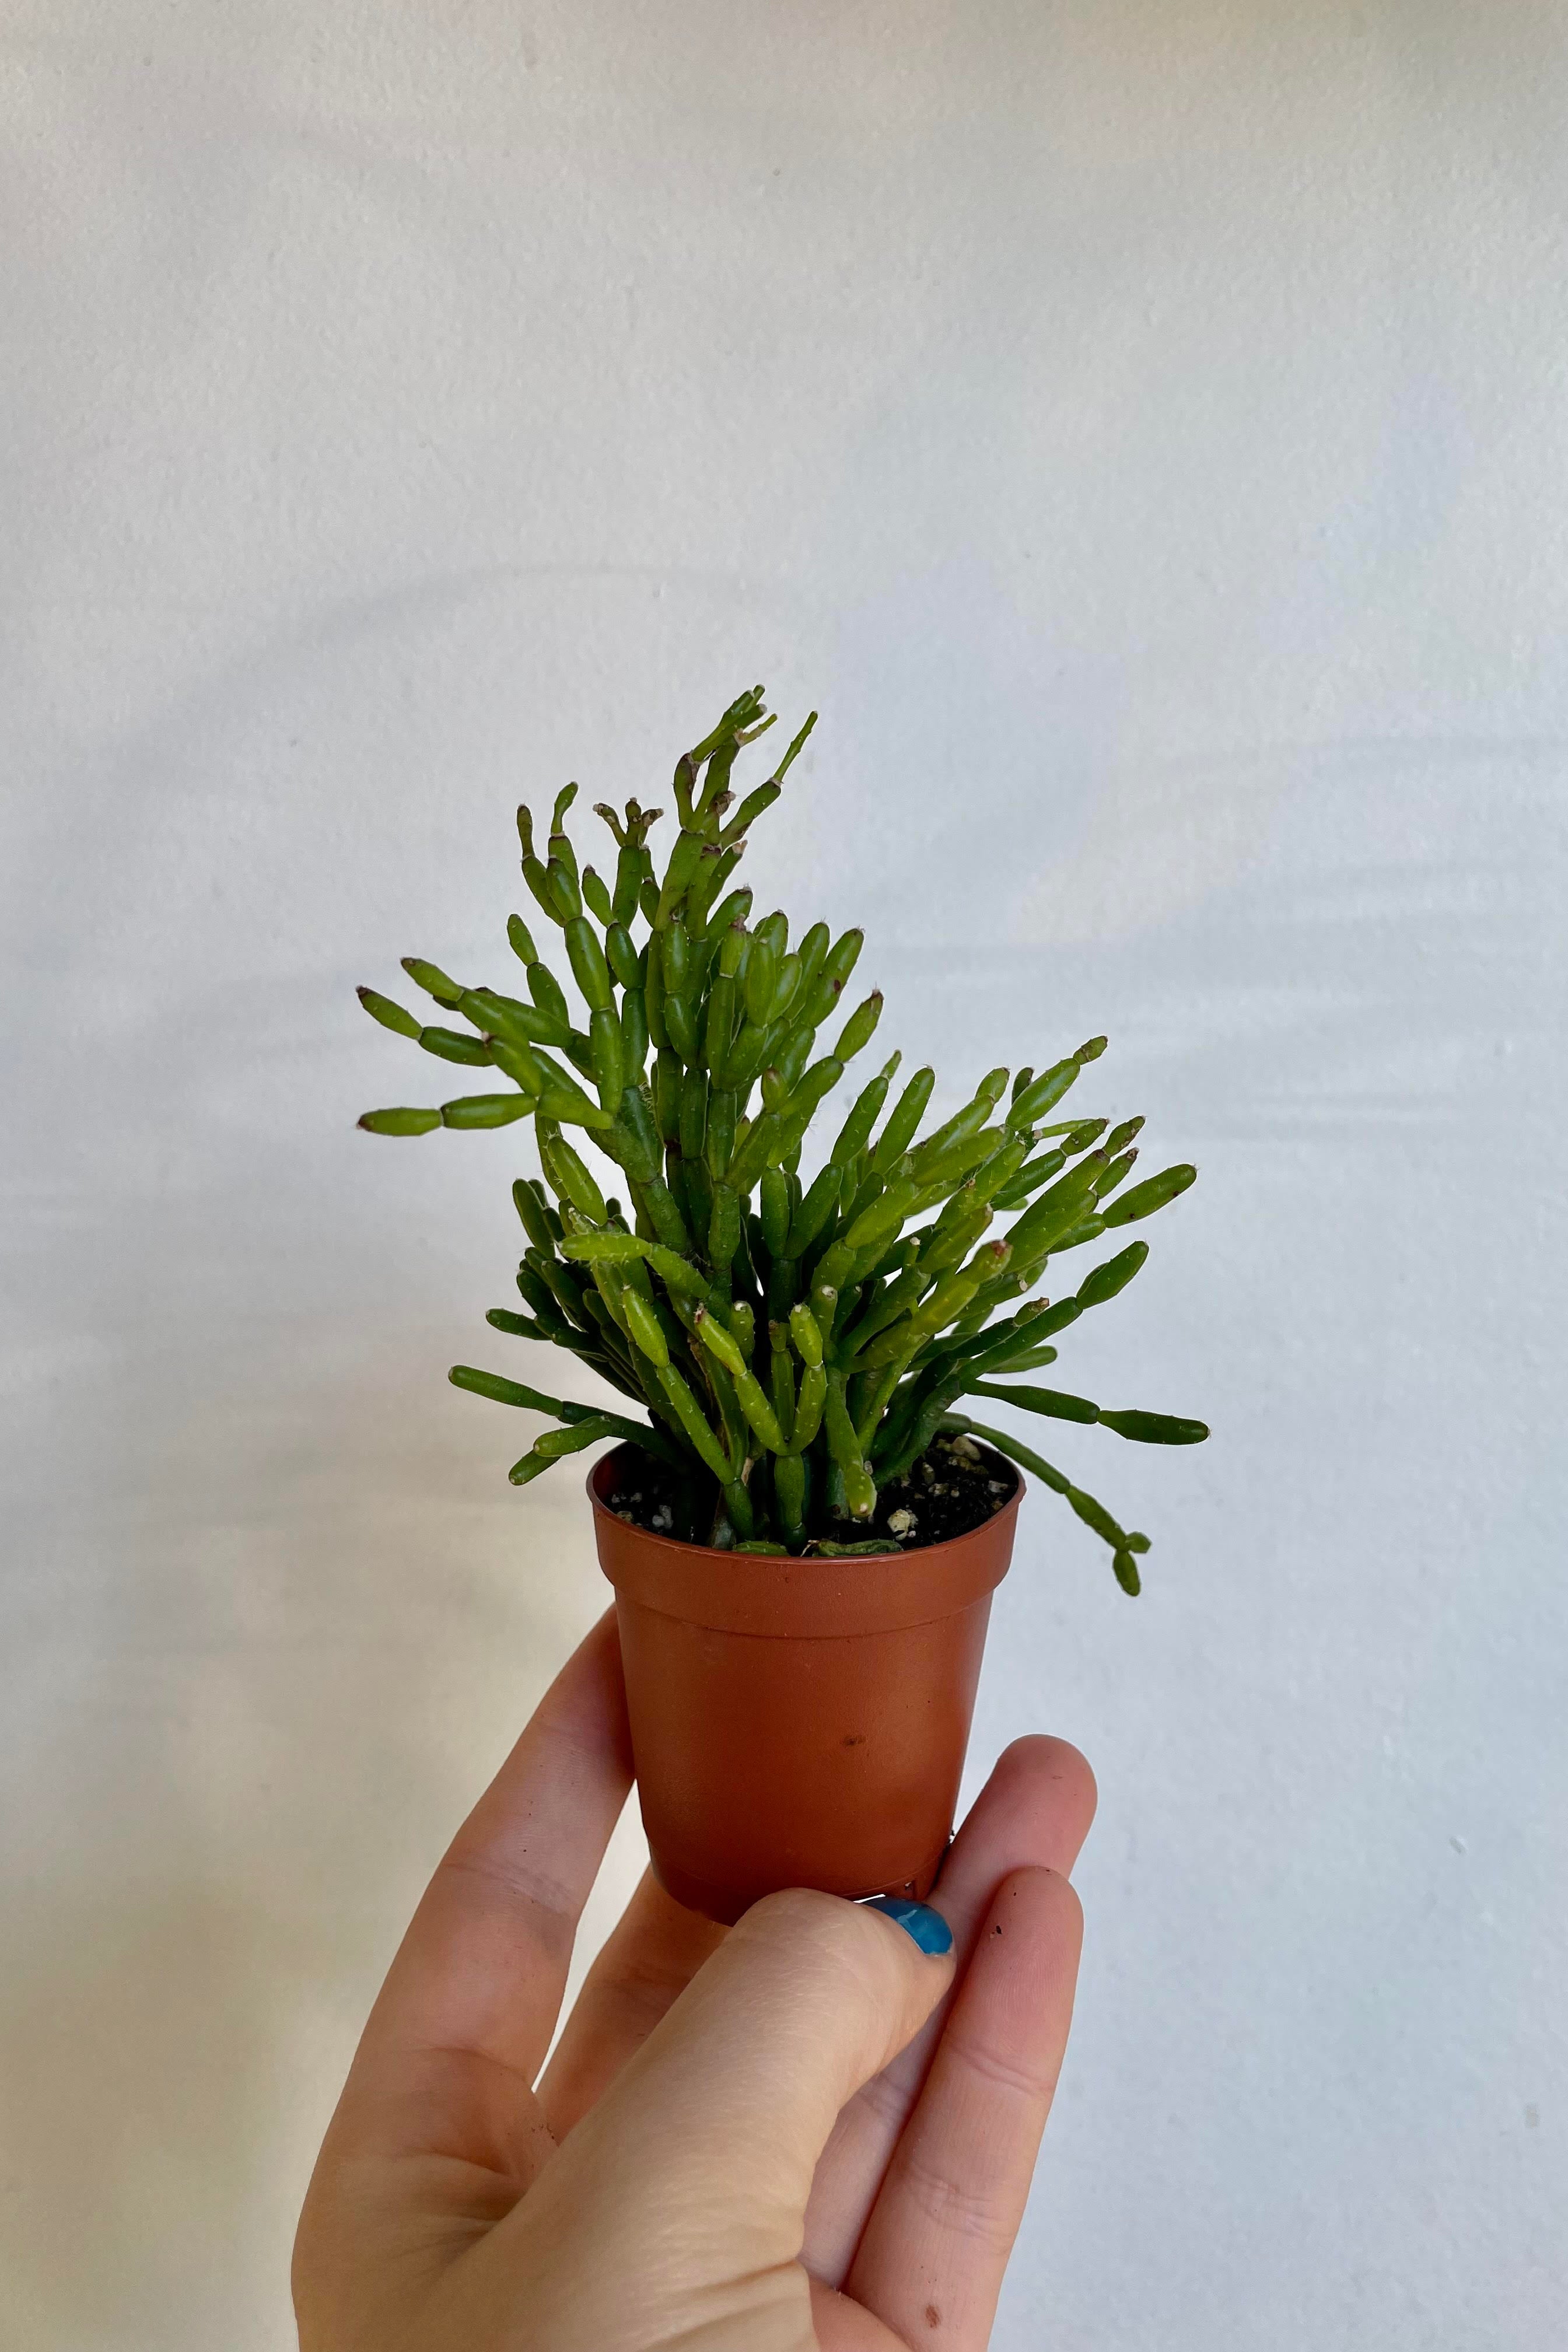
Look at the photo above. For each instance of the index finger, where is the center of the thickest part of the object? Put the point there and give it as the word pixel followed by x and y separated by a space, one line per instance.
pixel 481 1971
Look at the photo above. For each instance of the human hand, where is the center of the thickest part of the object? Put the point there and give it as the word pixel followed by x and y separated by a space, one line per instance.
pixel 802 2134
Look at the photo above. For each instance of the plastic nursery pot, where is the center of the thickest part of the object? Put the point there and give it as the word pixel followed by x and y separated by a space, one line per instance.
pixel 797 1722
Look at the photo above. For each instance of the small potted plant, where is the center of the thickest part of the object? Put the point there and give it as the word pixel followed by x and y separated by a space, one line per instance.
pixel 801 1527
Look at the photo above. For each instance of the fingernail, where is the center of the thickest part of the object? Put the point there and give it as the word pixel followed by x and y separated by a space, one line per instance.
pixel 928 1927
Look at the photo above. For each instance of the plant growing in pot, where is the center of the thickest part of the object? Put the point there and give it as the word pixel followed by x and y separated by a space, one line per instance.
pixel 802 1526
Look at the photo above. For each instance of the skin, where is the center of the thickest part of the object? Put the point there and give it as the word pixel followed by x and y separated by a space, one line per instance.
pixel 799 2135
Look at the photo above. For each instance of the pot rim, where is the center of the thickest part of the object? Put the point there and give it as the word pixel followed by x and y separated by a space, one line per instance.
pixel 789 1598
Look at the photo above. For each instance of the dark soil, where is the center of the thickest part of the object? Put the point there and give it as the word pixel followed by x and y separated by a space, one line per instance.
pixel 957 1484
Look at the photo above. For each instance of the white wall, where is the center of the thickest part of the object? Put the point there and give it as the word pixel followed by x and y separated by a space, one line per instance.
pixel 1142 429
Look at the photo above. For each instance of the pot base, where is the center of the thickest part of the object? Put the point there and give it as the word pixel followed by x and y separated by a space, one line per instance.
pixel 725 1905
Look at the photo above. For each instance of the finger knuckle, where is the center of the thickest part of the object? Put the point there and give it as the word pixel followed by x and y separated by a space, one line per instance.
pixel 975 2214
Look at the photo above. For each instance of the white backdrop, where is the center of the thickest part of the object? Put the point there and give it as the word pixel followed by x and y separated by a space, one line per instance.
pixel 1140 428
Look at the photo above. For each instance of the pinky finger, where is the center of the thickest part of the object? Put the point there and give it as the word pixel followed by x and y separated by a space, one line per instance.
pixel 930 2263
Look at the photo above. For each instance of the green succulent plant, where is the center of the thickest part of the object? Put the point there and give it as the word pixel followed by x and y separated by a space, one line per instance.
pixel 795 1341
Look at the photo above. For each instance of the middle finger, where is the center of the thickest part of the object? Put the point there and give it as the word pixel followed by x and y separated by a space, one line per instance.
pixel 1035 1809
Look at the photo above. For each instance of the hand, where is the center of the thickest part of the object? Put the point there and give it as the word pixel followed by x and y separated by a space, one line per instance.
pixel 802 2132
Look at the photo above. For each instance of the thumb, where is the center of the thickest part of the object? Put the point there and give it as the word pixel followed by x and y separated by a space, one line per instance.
pixel 703 2151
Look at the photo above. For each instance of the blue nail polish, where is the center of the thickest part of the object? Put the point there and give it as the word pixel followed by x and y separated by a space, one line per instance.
pixel 928 1927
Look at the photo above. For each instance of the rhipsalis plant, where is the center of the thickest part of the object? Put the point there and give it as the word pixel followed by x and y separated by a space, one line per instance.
pixel 793 1341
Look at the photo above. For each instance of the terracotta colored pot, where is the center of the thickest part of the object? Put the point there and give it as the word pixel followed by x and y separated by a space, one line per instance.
pixel 797 1722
